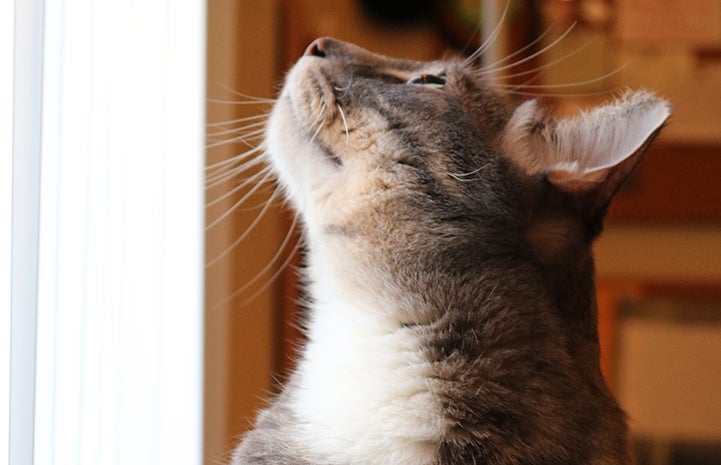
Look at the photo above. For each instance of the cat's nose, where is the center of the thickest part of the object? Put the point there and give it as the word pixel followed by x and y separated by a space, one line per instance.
pixel 316 48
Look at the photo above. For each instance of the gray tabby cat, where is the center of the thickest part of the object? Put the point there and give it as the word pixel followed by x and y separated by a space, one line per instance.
pixel 452 316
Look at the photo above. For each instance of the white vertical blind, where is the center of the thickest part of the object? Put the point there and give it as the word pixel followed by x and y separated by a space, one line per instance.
pixel 118 364
pixel 26 142
pixel 7 32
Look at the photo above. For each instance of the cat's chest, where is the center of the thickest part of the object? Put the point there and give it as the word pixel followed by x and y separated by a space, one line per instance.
pixel 365 392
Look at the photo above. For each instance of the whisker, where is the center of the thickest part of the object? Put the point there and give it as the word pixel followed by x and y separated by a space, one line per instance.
pixel 221 178
pixel 267 267
pixel 219 165
pixel 216 459
pixel 345 125
pixel 567 84
pixel 248 97
pixel 244 138
pixel 320 126
pixel 240 186
pixel 241 163
pixel 317 131
pixel 247 127
pixel 345 88
pixel 275 275
pixel 250 138
pixel 247 231
pixel 532 56
pixel 518 52
pixel 258 101
pixel 233 166
pixel 239 120
pixel 559 95
pixel 540 69
pixel 491 39
pixel 461 176
pixel 265 190
pixel 239 202
pixel 476 32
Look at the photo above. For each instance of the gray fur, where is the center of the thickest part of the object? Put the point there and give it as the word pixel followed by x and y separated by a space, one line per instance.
pixel 491 269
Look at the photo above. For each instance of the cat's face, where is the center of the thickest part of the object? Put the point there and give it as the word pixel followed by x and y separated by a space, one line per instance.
pixel 385 156
pixel 368 145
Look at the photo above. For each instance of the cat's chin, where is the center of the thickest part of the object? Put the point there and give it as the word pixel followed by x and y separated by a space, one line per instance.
pixel 315 179
pixel 311 94
pixel 303 165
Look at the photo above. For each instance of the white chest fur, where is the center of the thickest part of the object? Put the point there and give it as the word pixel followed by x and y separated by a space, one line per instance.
pixel 365 389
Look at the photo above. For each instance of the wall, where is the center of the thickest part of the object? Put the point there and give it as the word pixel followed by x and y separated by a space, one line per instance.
pixel 239 359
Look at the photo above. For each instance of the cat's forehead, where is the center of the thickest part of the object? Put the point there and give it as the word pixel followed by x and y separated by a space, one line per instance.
pixel 350 58
pixel 410 68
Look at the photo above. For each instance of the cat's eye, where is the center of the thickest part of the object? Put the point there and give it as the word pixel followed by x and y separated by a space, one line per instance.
pixel 429 80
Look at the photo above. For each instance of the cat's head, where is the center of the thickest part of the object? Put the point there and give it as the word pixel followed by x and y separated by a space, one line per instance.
pixel 384 156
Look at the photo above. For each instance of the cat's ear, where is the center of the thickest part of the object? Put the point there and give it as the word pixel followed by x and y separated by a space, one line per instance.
pixel 589 155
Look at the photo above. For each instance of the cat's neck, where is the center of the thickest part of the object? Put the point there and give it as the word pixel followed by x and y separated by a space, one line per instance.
pixel 371 387
pixel 365 385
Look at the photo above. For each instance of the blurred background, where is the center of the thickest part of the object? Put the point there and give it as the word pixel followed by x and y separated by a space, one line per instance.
pixel 659 260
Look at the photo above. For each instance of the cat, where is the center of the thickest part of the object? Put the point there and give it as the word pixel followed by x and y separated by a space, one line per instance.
pixel 452 315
